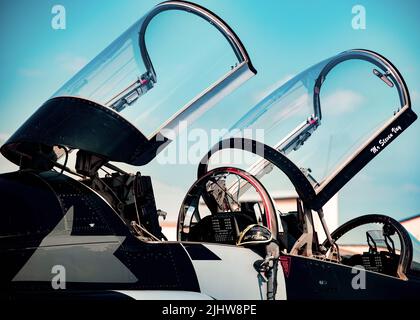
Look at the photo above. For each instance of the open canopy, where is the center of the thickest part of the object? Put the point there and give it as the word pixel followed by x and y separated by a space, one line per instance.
pixel 170 66
pixel 333 118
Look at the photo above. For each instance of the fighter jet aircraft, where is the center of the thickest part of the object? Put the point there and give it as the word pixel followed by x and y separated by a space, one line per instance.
pixel 75 233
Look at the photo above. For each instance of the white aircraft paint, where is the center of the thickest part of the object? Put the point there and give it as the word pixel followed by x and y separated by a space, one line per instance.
pixel 79 255
pixel 234 276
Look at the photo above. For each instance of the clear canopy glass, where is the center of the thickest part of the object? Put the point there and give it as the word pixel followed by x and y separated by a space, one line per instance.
pixel 325 117
pixel 170 66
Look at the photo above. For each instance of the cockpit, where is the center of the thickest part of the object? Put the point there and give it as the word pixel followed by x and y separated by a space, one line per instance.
pixel 321 128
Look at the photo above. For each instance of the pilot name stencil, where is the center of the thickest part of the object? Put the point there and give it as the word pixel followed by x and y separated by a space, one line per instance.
pixel 384 141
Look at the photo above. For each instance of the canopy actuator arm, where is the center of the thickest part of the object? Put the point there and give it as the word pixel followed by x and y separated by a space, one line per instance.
pixel 130 94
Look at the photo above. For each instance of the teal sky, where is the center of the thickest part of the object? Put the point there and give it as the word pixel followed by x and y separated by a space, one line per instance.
pixel 282 38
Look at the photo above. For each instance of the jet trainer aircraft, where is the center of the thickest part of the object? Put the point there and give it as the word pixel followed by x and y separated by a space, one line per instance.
pixel 103 229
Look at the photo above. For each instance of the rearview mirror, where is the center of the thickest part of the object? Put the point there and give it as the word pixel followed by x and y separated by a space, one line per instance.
pixel 254 234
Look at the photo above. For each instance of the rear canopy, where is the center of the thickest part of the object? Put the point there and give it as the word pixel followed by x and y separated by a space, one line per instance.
pixel 332 119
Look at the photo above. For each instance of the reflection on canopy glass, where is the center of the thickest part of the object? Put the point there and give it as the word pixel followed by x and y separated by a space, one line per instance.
pixel 326 119
pixel 177 57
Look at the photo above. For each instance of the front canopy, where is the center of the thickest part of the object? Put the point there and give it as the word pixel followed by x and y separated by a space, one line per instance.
pixel 169 67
